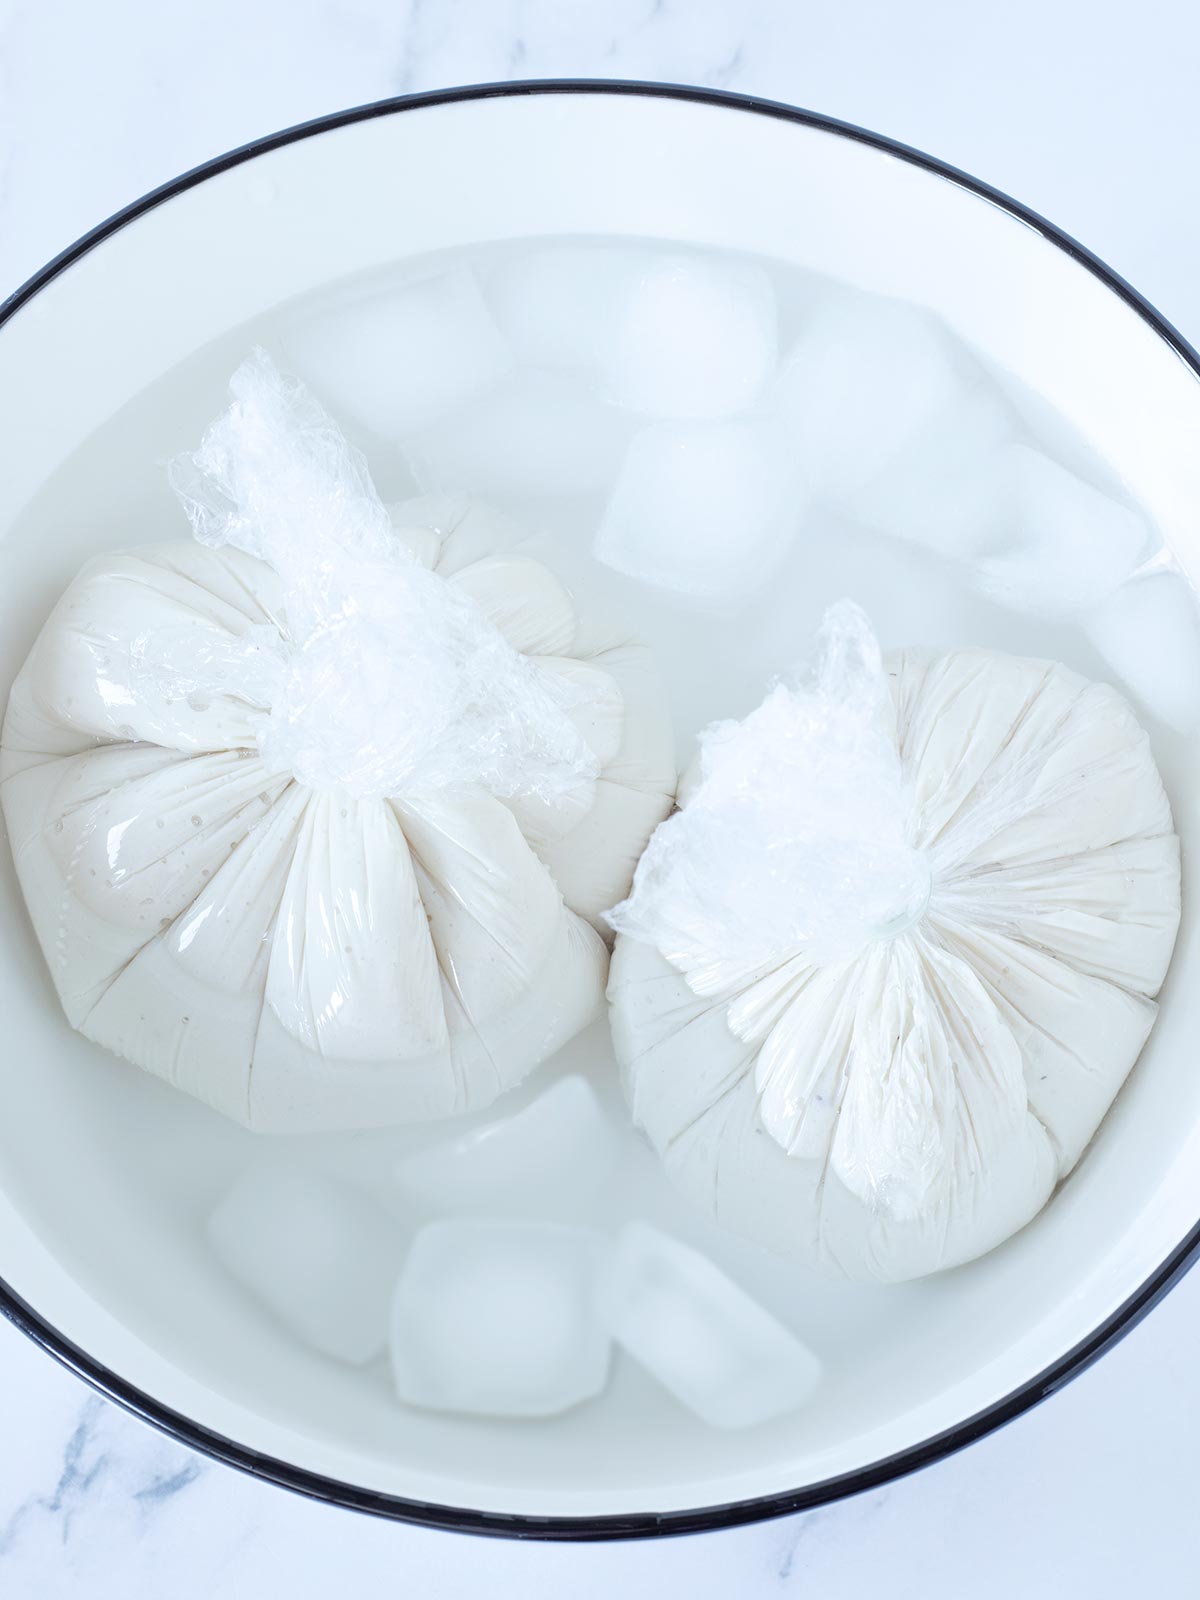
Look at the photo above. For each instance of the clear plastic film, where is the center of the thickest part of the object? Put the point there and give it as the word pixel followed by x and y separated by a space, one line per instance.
pixel 795 838
pixel 931 899
pixel 386 680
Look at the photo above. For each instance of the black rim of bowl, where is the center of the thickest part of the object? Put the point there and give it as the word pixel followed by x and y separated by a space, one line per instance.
pixel 640 1524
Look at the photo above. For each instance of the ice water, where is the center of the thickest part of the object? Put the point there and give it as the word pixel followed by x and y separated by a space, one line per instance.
pixel 500 1318
pixel 701 1335
pixel 552 1158
pixel 320 1255
pixel 708 450
pixel 689 435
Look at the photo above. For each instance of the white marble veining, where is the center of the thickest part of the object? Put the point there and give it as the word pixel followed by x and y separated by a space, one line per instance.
pixel 1083 116
pixel 1091 1494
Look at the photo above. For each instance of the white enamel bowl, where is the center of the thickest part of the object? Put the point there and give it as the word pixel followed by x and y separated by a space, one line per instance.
pixel 105 1175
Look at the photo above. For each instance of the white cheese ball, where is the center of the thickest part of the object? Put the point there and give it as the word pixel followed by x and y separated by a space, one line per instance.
pixel 905 1107
pixel 299 958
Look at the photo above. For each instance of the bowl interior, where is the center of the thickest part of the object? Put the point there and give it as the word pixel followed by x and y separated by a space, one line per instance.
pixel 106 1176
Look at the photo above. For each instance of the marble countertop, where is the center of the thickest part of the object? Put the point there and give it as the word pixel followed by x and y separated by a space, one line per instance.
pixel 1065 106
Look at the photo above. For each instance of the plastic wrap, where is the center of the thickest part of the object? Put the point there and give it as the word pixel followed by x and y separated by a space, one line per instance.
pixel 311 815
pixel 388 680
pixel 881 977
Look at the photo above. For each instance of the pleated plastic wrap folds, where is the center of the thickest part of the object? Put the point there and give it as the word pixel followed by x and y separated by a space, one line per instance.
pixel 315 815
pixel 881 977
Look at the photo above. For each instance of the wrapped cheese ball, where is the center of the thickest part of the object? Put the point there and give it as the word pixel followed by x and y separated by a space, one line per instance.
pixel 881 977
pixel 311 815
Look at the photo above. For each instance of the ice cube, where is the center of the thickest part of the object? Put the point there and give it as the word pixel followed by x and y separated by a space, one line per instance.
pixel 394 360
pixel 558 305
pixel 538 433
pixel 705 1340
pixel 500 1319
pixel 890 422
pixel 323 1257
pixel 944 491
pixel 1068 544
pixel 704 510
pixel 1148 631
pixel 553 1158
pixel 694 337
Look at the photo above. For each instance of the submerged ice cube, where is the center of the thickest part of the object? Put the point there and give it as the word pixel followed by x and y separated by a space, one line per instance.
pixel 665 333
pixel 865 378
pixel 318 1254
pixel 701 1336
pixel 703 510
pixel 396 359
pixel 944 491
pixel 538 433
pixel 558 305
pixel 693 338
pixel 500 1319
pixel 1148 632
pixel 553 1158
pixel 1068 545
pixel 892 425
